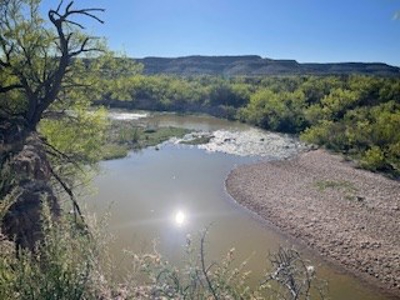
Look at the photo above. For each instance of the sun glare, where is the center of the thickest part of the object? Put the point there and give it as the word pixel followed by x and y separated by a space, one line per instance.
pixel 180 218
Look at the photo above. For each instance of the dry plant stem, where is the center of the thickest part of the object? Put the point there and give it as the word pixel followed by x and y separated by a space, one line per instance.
pixel 76 207
pixel 203 265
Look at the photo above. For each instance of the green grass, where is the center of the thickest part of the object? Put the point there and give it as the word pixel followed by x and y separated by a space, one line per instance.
pixel 346 186
pixel 148 138
pixel 322 185
pixel 126 135
pixel 114 151
pixel 203 139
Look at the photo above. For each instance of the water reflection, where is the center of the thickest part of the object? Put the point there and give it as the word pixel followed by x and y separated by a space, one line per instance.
pixel 180 218
pixel 115 115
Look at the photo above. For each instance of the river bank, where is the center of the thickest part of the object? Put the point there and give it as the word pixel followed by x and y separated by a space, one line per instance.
pixel 350 216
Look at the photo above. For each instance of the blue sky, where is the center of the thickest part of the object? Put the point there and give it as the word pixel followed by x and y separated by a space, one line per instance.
pixel 305 30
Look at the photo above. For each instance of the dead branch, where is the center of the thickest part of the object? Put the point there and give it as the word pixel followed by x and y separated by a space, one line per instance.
pixel 203 265
pixel 292 273
pixel 76 207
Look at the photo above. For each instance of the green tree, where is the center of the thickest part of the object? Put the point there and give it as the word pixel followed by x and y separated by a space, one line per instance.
pixel 39 61
pixel 282 111
pixel 49 70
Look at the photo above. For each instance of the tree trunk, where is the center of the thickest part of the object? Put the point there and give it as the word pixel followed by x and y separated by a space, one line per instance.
pixel 24 178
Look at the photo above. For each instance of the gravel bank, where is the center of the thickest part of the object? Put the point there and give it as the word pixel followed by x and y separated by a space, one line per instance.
pixel 348 215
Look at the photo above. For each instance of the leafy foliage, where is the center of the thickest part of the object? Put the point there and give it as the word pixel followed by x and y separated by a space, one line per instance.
pixel 279 112
pixel 355 115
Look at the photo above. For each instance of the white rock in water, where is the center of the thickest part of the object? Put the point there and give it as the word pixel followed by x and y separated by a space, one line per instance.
pixel 253 142
pixel 126 116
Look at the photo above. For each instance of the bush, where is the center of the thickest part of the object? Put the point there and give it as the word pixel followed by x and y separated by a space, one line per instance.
pixel 61 267
pixel 373 159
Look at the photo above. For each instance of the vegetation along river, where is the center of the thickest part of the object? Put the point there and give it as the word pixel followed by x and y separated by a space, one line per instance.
pixel 168 192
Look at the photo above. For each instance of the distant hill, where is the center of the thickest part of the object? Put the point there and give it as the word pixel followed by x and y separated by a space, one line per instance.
pixel 253 65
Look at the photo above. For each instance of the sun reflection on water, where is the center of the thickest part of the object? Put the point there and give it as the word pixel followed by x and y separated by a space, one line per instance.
pixel 180 218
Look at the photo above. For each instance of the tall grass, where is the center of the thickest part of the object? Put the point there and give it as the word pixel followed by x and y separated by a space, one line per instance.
pixel 61 266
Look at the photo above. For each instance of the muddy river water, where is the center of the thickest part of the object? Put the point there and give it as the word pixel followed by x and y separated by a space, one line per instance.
pixel 165 194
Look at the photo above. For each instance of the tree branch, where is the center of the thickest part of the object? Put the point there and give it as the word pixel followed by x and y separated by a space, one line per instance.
pixel 5 89
pixel 58 20
pixel 62 155
pixel 76 207
pixel 68 12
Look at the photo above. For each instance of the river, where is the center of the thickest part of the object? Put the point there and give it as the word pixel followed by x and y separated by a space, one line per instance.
pixel 165 194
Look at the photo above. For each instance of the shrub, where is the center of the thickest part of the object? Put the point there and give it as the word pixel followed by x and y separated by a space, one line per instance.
pixel 373 159
pixel 61 267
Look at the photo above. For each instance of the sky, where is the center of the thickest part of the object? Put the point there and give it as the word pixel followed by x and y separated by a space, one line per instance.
pixel 304 30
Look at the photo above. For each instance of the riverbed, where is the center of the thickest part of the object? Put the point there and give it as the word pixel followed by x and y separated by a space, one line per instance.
pixel 167 192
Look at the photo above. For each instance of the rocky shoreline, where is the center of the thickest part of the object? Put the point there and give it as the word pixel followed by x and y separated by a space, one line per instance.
pixel 350 216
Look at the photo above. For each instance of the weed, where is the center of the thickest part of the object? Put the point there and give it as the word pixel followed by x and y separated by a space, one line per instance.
pixel 322 185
